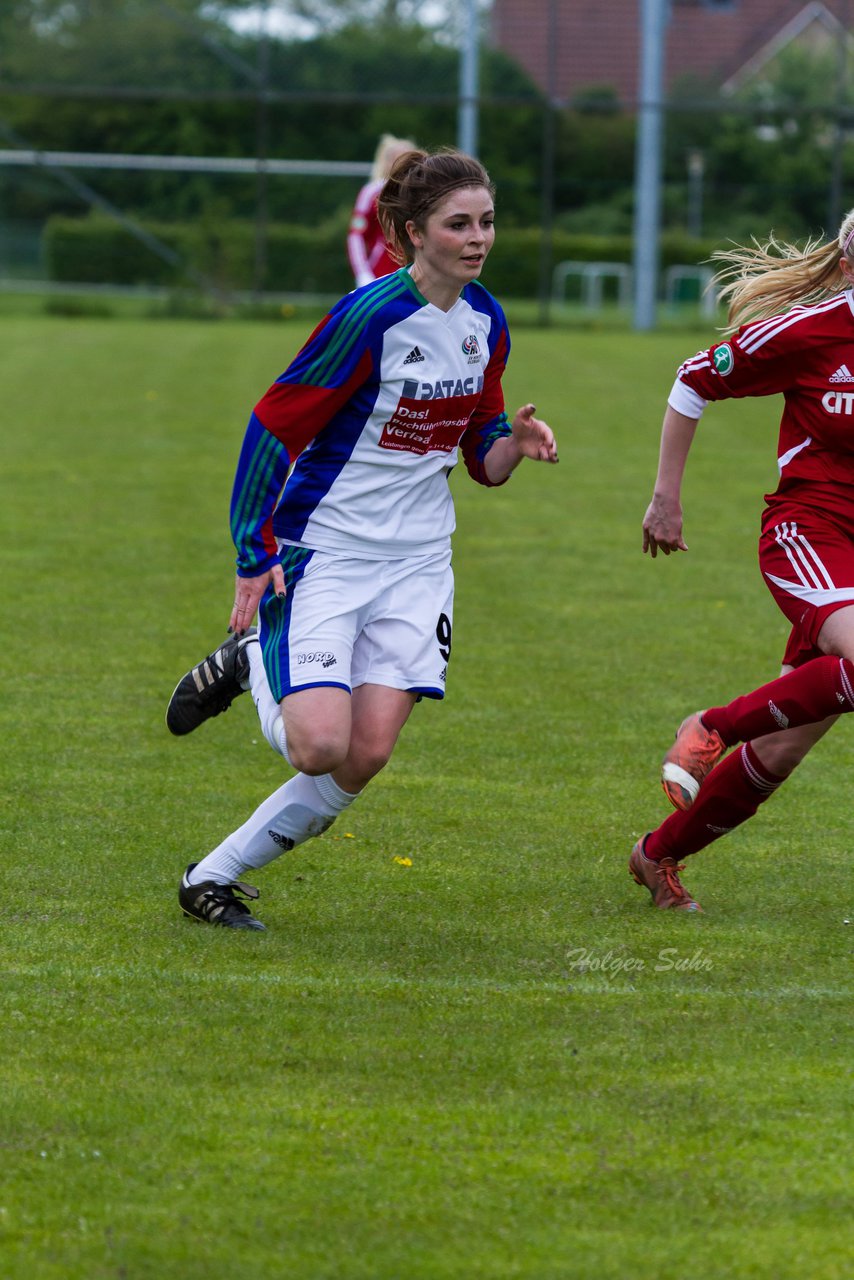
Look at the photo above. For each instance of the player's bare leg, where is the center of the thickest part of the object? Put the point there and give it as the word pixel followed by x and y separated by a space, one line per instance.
pixel 339 742
pixel 730 795
pixel 837 634
pixel 379 714
pixel 802 696
pixel 782 752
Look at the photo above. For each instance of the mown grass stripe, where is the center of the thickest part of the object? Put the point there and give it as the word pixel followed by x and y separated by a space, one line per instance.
pixel 525 986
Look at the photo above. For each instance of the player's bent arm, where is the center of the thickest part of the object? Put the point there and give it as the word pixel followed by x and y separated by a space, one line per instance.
pixel 502 460
pixel 677 436
pixel 262 469
pixel 662 525
pixel 530 438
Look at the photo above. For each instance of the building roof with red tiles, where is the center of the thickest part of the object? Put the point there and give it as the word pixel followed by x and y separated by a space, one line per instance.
pixel 569 46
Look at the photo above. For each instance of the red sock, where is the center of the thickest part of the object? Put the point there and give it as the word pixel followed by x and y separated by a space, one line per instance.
pixel 818 689
pixel 730 795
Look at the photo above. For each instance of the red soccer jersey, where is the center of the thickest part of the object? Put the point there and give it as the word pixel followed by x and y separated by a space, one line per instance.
pixel 807 354
pixel 366 244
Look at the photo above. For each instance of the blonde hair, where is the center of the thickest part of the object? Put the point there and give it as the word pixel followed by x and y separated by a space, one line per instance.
pixel 388 149
pixel 766 278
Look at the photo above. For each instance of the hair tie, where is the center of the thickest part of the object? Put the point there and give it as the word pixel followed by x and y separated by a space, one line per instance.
pixel 848 240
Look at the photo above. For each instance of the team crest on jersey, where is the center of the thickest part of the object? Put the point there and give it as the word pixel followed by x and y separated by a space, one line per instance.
pixel 724 360
pixel 471 348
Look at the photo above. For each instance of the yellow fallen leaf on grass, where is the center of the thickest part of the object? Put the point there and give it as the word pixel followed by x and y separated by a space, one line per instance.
pixel 403 862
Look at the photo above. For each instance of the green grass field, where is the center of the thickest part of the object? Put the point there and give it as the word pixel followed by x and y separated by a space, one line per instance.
pixel 498 1061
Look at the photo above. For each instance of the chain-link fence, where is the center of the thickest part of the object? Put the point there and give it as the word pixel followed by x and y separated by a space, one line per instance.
pixel 186 156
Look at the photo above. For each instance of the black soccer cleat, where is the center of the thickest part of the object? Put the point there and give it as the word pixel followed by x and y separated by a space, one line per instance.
pixel 211 686
pixel 217 903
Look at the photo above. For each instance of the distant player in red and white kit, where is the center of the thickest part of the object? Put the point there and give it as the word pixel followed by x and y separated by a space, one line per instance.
pixel 796 310
pixel 342 517
pixel 367 247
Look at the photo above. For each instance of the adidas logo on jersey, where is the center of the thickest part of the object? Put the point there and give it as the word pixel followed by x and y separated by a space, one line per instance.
pixel 415 356
pixel 843 374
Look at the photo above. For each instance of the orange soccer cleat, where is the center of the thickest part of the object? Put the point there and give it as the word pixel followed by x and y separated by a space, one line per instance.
pixel 693 755
pixel 662 880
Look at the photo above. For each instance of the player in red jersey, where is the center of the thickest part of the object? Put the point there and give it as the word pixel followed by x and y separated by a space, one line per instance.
pixel 367 248
pixel 796 312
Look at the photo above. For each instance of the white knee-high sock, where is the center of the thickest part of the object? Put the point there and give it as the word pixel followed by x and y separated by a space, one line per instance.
pixel 269 711
pixel 302 808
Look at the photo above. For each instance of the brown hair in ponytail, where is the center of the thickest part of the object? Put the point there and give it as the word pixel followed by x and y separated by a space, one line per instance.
pixel 418 181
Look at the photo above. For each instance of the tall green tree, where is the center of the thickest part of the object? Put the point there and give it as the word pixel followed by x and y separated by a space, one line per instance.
pixel 146 78
pixel 770 151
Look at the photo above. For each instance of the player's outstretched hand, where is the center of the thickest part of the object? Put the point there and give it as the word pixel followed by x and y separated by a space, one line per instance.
pixel 662 527
pixel 247 597
pixel 534 438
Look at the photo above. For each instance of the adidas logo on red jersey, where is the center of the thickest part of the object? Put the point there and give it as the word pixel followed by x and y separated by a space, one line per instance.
pixel 843 374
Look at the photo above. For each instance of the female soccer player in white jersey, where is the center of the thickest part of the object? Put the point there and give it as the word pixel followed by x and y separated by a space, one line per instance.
pixel 806 547
pixel 342 517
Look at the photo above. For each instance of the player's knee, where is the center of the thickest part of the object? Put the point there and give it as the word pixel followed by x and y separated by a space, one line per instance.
pixel 317 755
pixel 368 760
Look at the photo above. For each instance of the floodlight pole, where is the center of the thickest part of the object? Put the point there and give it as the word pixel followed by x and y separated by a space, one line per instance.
pixel 262 151
pixel 654 15
pixel 835 205
pixel 467 115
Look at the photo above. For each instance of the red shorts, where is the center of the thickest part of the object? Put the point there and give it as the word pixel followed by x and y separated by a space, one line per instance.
pixel 808 566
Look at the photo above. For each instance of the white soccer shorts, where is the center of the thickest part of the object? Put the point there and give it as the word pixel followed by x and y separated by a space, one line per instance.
pixel 345 622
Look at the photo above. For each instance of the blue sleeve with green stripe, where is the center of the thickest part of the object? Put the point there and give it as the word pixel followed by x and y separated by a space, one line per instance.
pixel 336 360
pixel 262 469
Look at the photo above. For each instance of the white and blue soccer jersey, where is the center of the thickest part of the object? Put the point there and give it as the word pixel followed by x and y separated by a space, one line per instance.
pixel 369 419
